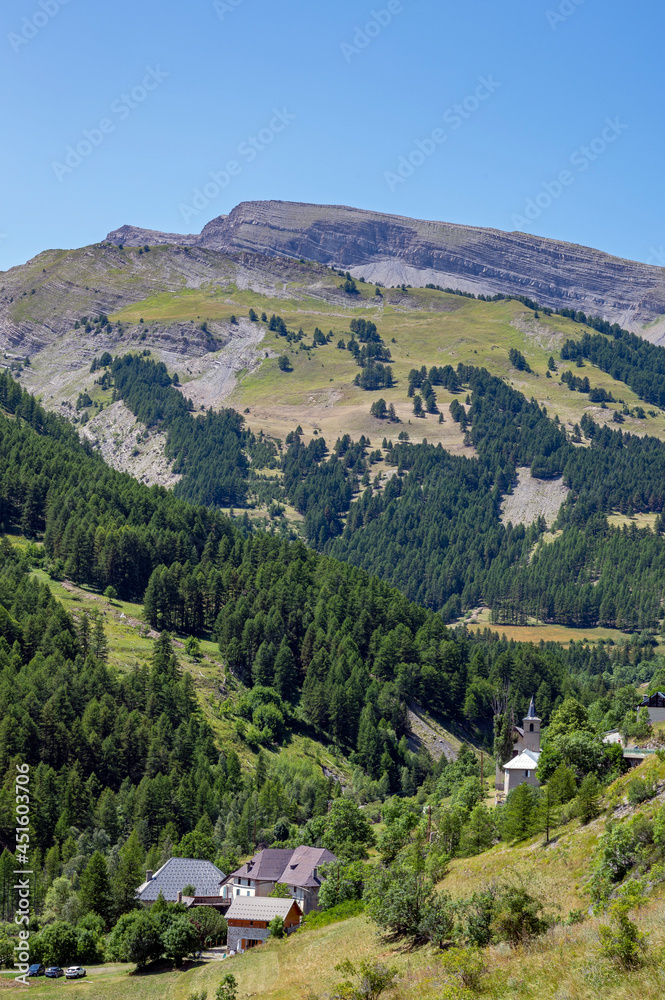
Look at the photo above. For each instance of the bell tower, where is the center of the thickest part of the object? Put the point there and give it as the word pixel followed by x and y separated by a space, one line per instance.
pixel 532 729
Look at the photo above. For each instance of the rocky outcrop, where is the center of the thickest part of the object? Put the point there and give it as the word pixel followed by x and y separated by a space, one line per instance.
pixel 134 236
pixel 392 249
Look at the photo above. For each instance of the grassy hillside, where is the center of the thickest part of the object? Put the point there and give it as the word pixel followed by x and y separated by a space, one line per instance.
pixel 421 327
pixel 198 324
pixel 162 298
pixel 565 962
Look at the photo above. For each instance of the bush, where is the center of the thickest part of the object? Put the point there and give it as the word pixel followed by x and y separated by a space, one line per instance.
pixel 228 988
pixel 618 852
pixel 284 364
pixel 397 898
pixel 621 940
pixel 180 940
pixel 373 980
pixel 343 911
pixel 502 912
pixel 642 789
pixel 465 966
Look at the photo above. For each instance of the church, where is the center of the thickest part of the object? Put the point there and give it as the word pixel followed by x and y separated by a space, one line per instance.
pixel 521 769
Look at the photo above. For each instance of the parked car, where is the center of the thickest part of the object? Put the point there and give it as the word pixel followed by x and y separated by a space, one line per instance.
pixel 36 970
pixel 54 972
pixel 75 972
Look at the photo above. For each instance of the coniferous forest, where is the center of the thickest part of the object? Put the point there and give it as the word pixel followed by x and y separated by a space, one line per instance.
pixel 336 640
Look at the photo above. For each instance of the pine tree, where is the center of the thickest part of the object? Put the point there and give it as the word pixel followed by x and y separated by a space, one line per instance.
pixel 95 890
pixel 286 679
pixel 99 645
pixel 128 876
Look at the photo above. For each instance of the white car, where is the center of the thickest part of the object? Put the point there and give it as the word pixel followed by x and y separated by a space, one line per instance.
pixel 75 972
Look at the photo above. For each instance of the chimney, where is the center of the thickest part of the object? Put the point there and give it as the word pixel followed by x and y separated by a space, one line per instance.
pixel 149 875
pixel 179 897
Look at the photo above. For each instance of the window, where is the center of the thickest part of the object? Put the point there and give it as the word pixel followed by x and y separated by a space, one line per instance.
pixel 531 728
pixel 527 774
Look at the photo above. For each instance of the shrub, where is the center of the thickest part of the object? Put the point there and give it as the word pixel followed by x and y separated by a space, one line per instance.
pixel 618 851
pixel 343 911
pixel 228 988
pixel 465 966
pixel 373 980
pixel 276 927
pixel 621 940
pixel 641 789
pixel 502 912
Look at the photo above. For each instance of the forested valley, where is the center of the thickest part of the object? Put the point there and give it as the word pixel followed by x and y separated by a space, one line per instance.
pixel 125 764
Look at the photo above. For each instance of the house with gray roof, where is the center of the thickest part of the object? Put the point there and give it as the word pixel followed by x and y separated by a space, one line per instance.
pixel 177 873
pixel 521 770
pixel 297 868
pixel 655 706
pixel 248 918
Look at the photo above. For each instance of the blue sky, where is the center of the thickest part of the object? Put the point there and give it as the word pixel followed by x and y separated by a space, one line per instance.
pixel 326 102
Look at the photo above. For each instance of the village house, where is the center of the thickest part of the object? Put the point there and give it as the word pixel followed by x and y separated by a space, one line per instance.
pixel 178 874
pixel 297 868
pixel 248 918
pixel 521 769
pixel 655 706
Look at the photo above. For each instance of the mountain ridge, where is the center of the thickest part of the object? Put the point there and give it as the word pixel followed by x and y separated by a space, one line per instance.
pixel 393 249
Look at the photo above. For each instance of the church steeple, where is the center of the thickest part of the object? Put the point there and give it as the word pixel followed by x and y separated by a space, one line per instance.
pixel 532 710
pixel 532 728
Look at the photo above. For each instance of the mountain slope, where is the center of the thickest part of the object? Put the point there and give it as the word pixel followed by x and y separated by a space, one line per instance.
pixel 392 250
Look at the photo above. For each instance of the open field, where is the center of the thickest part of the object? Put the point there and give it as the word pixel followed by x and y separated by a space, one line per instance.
pixel 537 631
pixel 420 326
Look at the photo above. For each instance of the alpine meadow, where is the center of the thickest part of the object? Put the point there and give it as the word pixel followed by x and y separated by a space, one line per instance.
pixel 332 538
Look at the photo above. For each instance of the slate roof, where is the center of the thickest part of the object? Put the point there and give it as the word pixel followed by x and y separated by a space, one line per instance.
pixel 260 908
pixel 532 710
pixel 172 877
pixel 656 700
pixel 526 761
pixel 300 870
pixel 266 866
pixel 293 867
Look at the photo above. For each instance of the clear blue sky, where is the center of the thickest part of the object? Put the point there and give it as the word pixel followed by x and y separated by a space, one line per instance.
pixel 353 105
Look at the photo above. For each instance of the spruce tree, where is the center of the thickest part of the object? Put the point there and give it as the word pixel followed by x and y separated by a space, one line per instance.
pixel 286 679
pixel 95 890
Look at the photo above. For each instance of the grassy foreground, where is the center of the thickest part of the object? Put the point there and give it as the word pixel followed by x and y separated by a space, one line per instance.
pixel 563 964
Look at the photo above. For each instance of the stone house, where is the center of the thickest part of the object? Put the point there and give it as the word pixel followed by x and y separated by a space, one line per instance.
pixel 655 706
pixel 175 875
pixel 297 868
pixel 248 918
